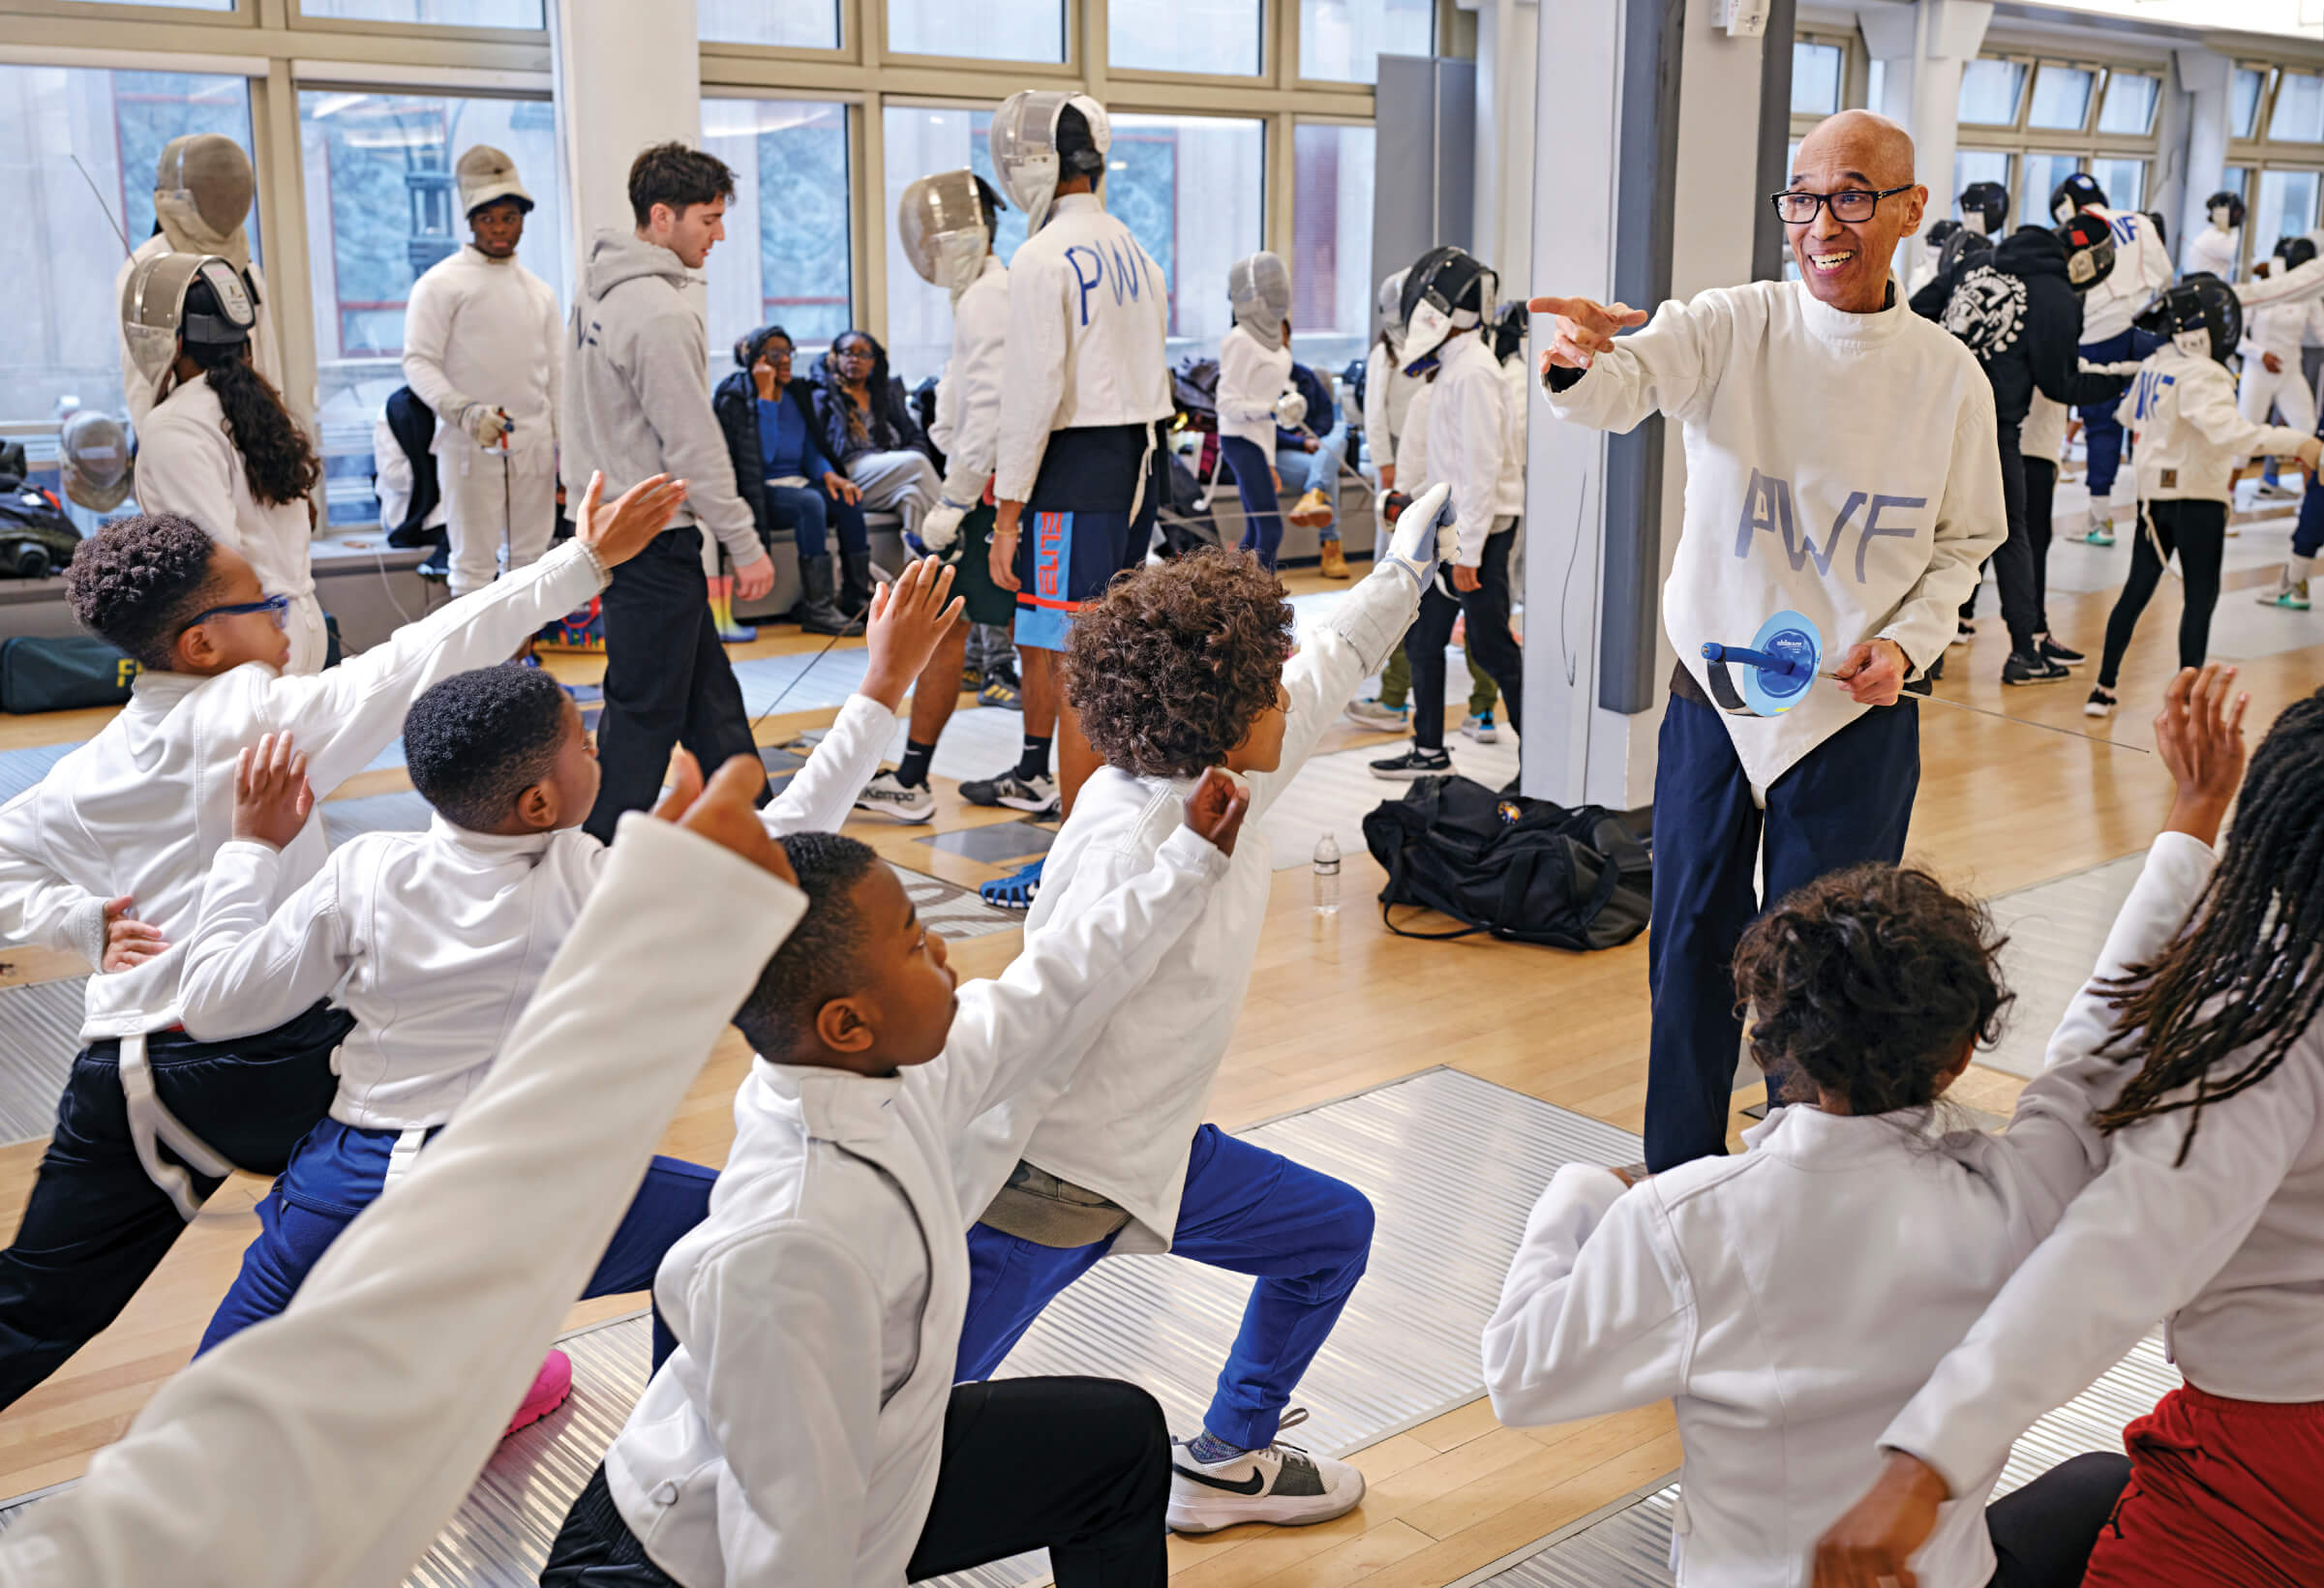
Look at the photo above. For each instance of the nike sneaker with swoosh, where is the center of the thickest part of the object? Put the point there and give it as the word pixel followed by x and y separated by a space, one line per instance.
pixel 1282 1484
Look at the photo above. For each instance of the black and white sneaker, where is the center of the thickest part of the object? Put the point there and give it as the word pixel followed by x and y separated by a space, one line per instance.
pixel 2036 669
pixel 899 802
pixel 1964 631
pixel 2062 655
pixel 1282 1484
pixel 1414 762
pixel 2102 703
pixel 1035 794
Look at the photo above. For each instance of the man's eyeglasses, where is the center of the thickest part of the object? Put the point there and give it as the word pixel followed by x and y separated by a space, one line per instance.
pixel 1798 209
pixel 277 607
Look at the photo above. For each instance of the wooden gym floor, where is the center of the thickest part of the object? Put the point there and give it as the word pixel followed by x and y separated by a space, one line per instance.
pixel 1336 1007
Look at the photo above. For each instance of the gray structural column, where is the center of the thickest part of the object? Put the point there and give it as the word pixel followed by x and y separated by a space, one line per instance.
pixel 2206 77
pixel 1641 192
pixel 626 75
pixel 1924 47
pixel 1508 45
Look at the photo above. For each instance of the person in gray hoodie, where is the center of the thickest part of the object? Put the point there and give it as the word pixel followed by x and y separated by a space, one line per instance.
pixel 636 403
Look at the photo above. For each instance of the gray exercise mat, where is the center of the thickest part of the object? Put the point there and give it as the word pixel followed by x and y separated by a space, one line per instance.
pixel 39 1032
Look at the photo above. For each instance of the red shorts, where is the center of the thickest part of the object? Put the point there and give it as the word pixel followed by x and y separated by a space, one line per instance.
pixel 2222 1494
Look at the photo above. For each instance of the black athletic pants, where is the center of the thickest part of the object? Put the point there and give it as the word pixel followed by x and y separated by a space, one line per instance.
pixel 1488 640
pixel 667 680
pixel 1080 1466
pixel 2197 531
pixel 2013 566
pixel 2044 1532
pixel 2041 507
pixel 96 1225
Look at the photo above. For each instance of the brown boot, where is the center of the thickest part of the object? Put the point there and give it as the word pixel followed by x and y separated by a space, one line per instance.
pixel 1311 511
pixel 1335 566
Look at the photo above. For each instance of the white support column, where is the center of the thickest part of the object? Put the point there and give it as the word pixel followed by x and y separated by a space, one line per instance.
pixel 626 75
pixel 1925 46
pixel 1508 44
pixel 2207 79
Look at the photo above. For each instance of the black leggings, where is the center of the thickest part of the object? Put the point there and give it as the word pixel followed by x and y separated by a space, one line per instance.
pixel 1488 640
pixel 2042 1534
pixel 2041 493
pixel 2197 531
pixel 1078 1465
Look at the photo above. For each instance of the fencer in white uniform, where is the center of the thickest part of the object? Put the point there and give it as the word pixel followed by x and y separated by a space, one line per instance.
pixel 1388 391
pixel 2274 377
pixel 2219 245
pixel 483 347
pixel 202 194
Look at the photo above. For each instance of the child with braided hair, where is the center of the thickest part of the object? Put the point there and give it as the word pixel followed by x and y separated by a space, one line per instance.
pixel 2209 1216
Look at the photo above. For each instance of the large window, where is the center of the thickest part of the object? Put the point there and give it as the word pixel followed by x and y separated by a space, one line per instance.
pixel 1207 36
pixel 2060 98
pixel 1193 190
pixel 2131 101
pixel 2242 101
pixel 2299 115
pixel 787 258
pixel 1990 90
pixel 1331 226
pixel 921 139
pixel 65 244
pixel 2042 174
pixel 2124 181
pixel 791 24
pixel 514 14
pixel 1816 71
pixel 2286 208
pixel 1343 40
pixel 991 30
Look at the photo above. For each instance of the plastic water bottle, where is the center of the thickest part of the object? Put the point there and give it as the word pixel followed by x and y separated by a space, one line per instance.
pixel 1327 876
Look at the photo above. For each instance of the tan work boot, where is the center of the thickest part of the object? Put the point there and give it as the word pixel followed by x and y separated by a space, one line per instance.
pixel 1311 511
pixel 1335 566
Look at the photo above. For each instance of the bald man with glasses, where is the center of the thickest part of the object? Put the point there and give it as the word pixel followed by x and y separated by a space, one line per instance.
pixel 1842 465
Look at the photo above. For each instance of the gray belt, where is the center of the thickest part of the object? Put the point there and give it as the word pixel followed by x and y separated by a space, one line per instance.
pixel 1037 1205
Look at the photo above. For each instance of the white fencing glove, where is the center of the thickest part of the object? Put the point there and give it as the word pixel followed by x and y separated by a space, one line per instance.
pixel 942 527
pixel 1289 409
pixel 1424 532
pixel 485 424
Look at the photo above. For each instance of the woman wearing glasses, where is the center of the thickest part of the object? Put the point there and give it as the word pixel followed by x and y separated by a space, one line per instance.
pixel 219 448
pixel 781 470
pixel 1842 464
pixel 868 428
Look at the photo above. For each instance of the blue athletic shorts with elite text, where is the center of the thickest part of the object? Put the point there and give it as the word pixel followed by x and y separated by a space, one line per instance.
pixel 1064 559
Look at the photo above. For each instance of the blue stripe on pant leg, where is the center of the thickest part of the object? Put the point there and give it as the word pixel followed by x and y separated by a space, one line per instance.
pixel 674 1198
pixel 1303 1235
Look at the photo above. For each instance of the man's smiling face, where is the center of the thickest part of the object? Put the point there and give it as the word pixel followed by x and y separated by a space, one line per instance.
pixel 1845 263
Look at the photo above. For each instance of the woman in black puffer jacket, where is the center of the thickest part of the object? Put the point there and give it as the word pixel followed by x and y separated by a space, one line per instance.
pixel 782 471
pixel 868 430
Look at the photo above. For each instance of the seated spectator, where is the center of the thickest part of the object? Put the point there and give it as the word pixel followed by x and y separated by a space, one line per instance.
pixel 783 472
pixel 868 430
pixel 1309 457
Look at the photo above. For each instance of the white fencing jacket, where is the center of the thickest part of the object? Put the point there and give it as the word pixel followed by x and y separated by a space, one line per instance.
pixel 1388 393
pixel 1469 443
pixel 2191 439
pixel 1412 446
pixel 2282 329
pixel 1793 1298
pixel 1843 467
pixel 188 465
pixel 1251 378
pixel 2215 251
pixel 1088 314
pixel 264 355
pixel 326 1447
pixel 2142 268
pixel 794 1436
pixel 968 397
pixel 2224 1249
pixel 143 808
pixel 2042 436
pixel 1126 1123
pixel 435 939
pixel 484 330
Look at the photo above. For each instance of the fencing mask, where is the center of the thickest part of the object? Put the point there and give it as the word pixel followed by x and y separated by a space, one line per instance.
pixel 202 193
pixel 2078 192
pixel 486 175
pixel 1985 208
pixel 2088 250
pixel 93 457
pixel 2295 252
pixel 1391 306
pixel 2225 208
pixel 1036 144
pixel 1260 290
pixel 153 310
pixel 1446 292
pixel 944 223
pixel 2199 313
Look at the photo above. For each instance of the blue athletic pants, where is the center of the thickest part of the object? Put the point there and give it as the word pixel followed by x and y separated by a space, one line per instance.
pixel 2101 432
pixel 1305 1236
pixel 339 1170
pixel 1849 800
pixel 1254 483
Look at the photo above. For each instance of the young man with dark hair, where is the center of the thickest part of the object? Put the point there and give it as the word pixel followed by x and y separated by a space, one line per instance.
pixel 637 402
pixel 153 1119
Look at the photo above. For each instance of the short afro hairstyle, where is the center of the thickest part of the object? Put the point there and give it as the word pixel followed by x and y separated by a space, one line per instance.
pixel 138 581
pixel 818 961
pixel 673 174
pixel 1867 982
pixel 1170 667
pixel 478 740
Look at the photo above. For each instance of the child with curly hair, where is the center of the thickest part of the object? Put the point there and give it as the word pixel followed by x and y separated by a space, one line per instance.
pixel 1176 669
pixel 1791 1299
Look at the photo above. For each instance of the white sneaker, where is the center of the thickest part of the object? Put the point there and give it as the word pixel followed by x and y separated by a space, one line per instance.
pixel 886 796
pixel 1481 729
pixel 1282 1484
pixel 1369 712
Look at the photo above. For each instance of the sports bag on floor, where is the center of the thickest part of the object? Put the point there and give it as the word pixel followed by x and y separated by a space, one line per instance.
pixel 1524 870
pixel 62 675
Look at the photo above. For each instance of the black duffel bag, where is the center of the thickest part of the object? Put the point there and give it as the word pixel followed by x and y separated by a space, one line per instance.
pixel 62 675
pixel 1524 870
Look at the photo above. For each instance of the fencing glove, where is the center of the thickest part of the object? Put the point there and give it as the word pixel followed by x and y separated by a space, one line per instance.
pixel 1424 532
pixel 1289 409
pixel 485 424
pixel 941 527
